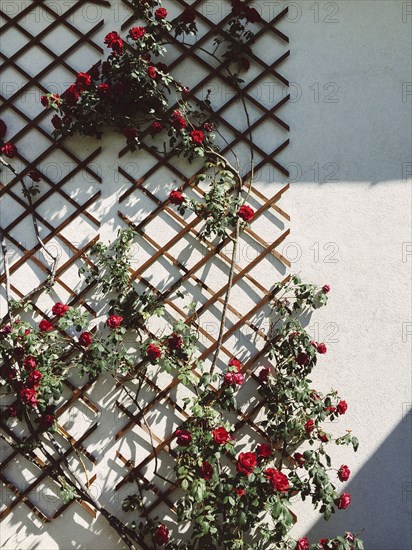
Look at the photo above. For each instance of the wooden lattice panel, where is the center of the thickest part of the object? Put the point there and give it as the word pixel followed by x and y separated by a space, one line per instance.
pixel 167 260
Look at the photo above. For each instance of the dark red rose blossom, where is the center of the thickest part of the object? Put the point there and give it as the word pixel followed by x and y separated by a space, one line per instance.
pixel 343 473
pixel 103 88
pixel 160 13
pixel 71 95
pixel 264 374
pixel 302 544
pixel 314 395
pixel 7 372
pixel 114 41
pixel 176 197
pixel 309 426
pixel 234 378
pixel 46 420
pixel 175 341
pixel 83 80
pixel 57 122
pixel 114 321
pixel 130 132
pixel 321 347
pixel 344 501
pixel 244 64
pixel 323 437
pixel 153 352
pixel 220 435
pixel 151 71
pixel 3 129
pixel 34 176
pixel 330 409
pixel 300 459
pixel 162 535
pixel 85 339
pixel 326 289
pixel 342 407
pixel 34 378
pixel 278 480
pixel 146 57
pixel 235 363
pixel 156 127
pixel 137 32
pixel 188 16
pixel 183 437
pixel 246 213
pixel 44 100
pixel 9 150
pixel 18 353
pixel 11 411
pixel 206 470
pixel 29 396
pixel 324 543
pixel 178 121
pixel 246 463
pixel 264 450
pixel 251 14
pixel 302 359
pixel 29 362
pixel 208 126
pixel 45 326
pixel 240 491
pixel 60 309
pixel 197 136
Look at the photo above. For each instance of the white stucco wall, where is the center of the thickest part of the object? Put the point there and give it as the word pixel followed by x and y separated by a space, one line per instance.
pixel 350 118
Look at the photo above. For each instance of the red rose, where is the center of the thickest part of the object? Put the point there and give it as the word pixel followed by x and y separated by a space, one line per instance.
pixel 263 450
pixel 246 463
pixel 57 122
pixel 83 80
pixel 252 15
pixel 71 95
pixel 302 359
pixel 3 129
pixel 153 352
pixel 130 133
pixel 321 348
pixel 244 63
pixel 9 150
pixel 85 339
pixel 34 378
pixel 326 288
pixel 188 16
pixel 137 32
pixel 314 395
pixel 151 71
pixel 44 100
pixel 344 501
pixel 156 127
pixel 330 409
pixel 29 396
pixel 323 437
pixel 235 363
pixel 246 213
pixel 309 426
pixel 29 362
pixel 184 438
pixel 46 420
pixel 343 473
pixel 60 309
pixel 206 470
pixel 209 126
pixel 300 459
pixel 45 326
pixel 11 411
pixel 342 407
pixel 178 121
pixel 160 13
pixel 162 535
pixel 34 176
pixel 186 90
pixel 103 88
pixel 175 341
pixel 234 378
pixel 197 136
pixel 302 544
pixel 114 321
pixel 264 374
pixel 220 436
pixel 114 41
pixel 324 543
pixel 278 480
pixel 176 197
pixel 240 491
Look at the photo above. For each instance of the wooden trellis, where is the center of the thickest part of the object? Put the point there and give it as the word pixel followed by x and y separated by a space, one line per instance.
pixel 267 243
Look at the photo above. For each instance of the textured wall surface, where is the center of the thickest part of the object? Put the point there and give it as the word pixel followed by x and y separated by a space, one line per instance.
pixel 350 204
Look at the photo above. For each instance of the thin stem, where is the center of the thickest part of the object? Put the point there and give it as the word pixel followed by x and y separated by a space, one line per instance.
pixel 7 274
